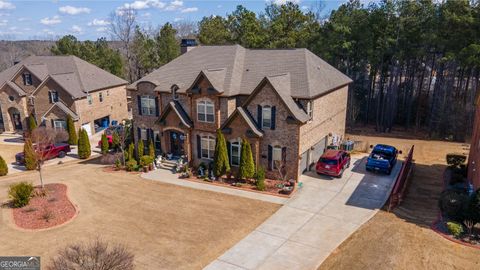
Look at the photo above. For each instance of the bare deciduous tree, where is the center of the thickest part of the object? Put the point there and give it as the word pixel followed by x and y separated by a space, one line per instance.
pixel 122 28
pixel 186 29
pixel 97 255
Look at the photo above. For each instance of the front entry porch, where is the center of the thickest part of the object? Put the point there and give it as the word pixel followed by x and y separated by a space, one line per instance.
pixel 176 143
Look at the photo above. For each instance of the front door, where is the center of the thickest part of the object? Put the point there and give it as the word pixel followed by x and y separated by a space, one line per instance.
pixel 17 121
pixel 176 143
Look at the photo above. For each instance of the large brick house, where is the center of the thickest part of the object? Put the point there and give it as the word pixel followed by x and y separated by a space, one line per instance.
pixel 288 103
pixel 52 87
pixel 474 157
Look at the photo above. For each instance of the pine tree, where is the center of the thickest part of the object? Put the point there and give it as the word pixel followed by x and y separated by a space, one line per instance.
pixel 246 168
pixel 32 124
pixel 140 149
pixel 72 134
pixel 104 144
pixel 84 150
pixel 131 150
pixel 221 163
pixel 151 149
pixel 29 155
pixel 3 167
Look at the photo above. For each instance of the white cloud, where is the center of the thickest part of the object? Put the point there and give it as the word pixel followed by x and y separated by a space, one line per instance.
pixel 23 19
pixel 174 5
pixel 77 29
pixel 98 22
pixel 3 22
pixel 188 10
pixel 6 5
pixel 51 21
pixel 73 10
pixel 13 28
pixel 102 29
pixel 48 32
pixel 282 2
pixel 144 4
pixel 178 19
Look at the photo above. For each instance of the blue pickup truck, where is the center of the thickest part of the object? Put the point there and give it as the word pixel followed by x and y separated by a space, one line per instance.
pixel 382 159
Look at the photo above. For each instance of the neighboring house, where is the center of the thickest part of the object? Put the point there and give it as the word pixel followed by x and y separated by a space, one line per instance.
pixel 288 103
pixel 52 87
pixel 474 157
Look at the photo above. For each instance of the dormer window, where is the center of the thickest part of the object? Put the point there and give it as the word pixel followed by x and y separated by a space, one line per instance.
pixel 174 92
pixel 27 78
pixel 53 96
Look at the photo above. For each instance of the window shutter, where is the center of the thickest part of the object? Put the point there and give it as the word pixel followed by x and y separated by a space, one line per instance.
pixel 270 150
pixel 139 101
pixel 53 123
pixel 284 155
pixel 259 115
pixel 24 79
pixel 229 152
pixel 199 147
pixel 274 112
pixel 139 136
pixel 157 108
pixel 50 96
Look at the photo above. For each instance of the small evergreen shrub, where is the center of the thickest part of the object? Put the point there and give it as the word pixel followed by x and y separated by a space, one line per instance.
pixel 20 193
pixel 260 179
pixel 221 164
pixel 131 151
pixel 140 149
pixel 455 160
pixel 3 167
pixel 72 133
pixel 146 160
pixel 455 228
pixel 84 150
pixel 29 155
pixel 32 123
pixel 104 144
pixel 131 165
pixel 115 140
pixel 454 204
pixel 246 168
pixel 151 149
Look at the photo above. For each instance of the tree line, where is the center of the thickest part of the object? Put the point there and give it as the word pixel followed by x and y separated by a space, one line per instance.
pixel 415 64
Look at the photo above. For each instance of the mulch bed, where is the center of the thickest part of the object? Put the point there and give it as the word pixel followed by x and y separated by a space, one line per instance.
pixel 46 211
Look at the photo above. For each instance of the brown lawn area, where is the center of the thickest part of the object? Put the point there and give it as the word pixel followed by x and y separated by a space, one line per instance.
pixel 166 226
pixel 8 151
pixel 403 239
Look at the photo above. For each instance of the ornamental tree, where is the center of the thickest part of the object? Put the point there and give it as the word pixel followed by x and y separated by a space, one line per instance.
pixel 104 144
pixel 84 150
pixel 72 133
pixel 32 124
pixel 29 155
pixel 246 168
pixel 140 149
pixel 221 164
pixel 151 149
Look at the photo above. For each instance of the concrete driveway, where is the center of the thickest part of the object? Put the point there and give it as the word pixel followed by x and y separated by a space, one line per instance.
pixel 315 221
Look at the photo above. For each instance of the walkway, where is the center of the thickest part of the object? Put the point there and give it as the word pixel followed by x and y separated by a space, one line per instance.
pixel 317 219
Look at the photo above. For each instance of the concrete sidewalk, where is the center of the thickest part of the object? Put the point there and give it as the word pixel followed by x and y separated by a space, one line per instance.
pixel 315 221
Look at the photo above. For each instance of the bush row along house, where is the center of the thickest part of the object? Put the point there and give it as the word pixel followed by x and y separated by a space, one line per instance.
pixel 474 157
pixel 288 103
pixel 52 87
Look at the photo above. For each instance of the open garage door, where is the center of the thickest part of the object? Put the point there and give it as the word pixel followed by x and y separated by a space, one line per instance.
pixel 310 157
pixel 88 128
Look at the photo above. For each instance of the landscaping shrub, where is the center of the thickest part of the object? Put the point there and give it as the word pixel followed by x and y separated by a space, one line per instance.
pixel 72 134
pixel 221 164
pixel 455 160
pixel 141 148
pixel 115 141
pixel 146 160
pixel 131 165
pixel 29 155
pixel 20 193
pixel 131 151
pixel 32 124
pixel 104 144
pixel 151 149
pixel 84 150
pixel 454 204
pixel 455 228
pixel 246 168
pixel 95 255
pixel 260 177
pixel 3 167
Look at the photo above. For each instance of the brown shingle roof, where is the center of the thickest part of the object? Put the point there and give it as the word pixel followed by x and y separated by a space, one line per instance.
pixel 75 75
pixel 246 68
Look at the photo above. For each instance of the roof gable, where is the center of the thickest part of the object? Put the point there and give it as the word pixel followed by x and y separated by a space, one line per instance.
pixel 241 112
pixel 179 111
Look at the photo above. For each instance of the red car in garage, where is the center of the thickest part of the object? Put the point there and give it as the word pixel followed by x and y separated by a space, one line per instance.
pixel 333 163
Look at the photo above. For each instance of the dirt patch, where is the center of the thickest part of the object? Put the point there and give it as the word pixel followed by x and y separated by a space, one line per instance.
pixel 8 151
pixel 403 239
pixel 45 211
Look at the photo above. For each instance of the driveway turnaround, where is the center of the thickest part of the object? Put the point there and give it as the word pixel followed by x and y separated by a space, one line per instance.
pixel 317 219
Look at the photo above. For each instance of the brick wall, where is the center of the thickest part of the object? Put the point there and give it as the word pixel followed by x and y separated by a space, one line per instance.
pixel 6 105
pixel 18 80
pixel 474 157
pixel 42 100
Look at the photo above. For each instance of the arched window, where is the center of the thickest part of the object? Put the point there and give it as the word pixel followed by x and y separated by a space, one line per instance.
pixel 207 146
pixel 235 153
pixel 266 117
pixel 205 111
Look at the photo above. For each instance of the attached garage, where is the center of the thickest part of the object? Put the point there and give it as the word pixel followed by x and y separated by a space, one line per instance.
pixel 88 128
pixel 310 157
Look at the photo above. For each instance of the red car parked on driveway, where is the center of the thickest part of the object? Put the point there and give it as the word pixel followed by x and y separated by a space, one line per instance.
pixel 50 151
pixel 333 163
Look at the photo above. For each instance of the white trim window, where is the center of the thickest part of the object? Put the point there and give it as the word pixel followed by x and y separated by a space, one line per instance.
pixel 143 134
pixel 100 97
pixel 27 78
pixel 207 146
pixel 310 109
pixel 205 111
pixel 89 99
pixel 148 105
pixel 276 156
pixel 53 96
pixel 266 117
pixel 59 124
pixel 235 153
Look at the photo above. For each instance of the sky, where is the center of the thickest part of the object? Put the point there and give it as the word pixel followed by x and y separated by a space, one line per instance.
pixel 50 19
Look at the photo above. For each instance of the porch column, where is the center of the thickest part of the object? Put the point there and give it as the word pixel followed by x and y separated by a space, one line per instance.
pixel 188 135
